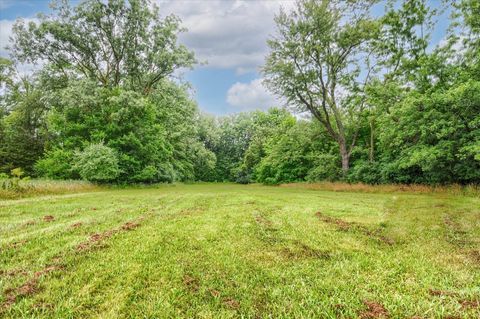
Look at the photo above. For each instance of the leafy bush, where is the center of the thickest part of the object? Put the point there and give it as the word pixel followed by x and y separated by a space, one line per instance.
pixel 57 164
pixel 326 167
pixel 366 172
pixel 97 163
pixel 293 156
pixel 204 163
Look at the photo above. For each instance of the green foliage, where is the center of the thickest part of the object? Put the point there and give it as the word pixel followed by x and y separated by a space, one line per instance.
pixel 315 53
pixel 384 107
pixel 177 113
pixel 366 172
pixel 22 126
pixel 56 164
pixel 325 167
pixel 113 43
pixel 97 163
pixel 14 182
pixel 204 163
pixel 431 137
pixel 239 141
pixel 297 154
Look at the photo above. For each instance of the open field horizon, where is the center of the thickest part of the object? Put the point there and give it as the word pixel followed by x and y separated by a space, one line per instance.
pixel 227 251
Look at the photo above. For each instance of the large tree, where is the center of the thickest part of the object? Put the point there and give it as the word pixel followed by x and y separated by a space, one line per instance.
pixel 115 42
pixel 321 60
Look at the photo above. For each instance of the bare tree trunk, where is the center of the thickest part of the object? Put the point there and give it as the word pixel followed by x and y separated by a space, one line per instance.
pixel 371 141
pixel 345 156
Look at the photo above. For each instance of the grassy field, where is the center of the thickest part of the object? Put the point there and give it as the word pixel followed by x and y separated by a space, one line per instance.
pixel 226 251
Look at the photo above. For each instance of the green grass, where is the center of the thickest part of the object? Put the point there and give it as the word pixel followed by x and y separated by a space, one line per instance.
pixel 225 251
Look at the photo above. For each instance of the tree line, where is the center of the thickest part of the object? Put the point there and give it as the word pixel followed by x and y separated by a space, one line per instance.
pixel 379 102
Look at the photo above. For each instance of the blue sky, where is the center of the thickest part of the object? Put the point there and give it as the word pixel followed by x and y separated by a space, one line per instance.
pixel 229 35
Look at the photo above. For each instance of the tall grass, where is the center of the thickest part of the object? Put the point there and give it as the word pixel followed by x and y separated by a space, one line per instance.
pixel 454 189
pixel 46 187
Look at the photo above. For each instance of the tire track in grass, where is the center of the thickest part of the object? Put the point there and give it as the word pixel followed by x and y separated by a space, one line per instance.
pixel 461 238
pixel 345 226
pixel 53 226
pixel 287 249
pixel 94 241
pixel 31 286
pixel 52 230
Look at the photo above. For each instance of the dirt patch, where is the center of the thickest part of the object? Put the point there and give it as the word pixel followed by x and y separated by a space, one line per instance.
pixel 378 236
pixel 191 283
pixel 338 308
pixel 16 244
pixel 341 224
pixel 231 303
pixel 48 218
pixel 13 273
pixel 47 270
pixel 27 289
pixel 94 239
pixel 354 227
pixel 374 310
pixel 438 292
pixel 130 226
pixel 474 304
pixel 76 225
pixel 97 238
pixel 215 293
pixel 475 255
pixel 261 220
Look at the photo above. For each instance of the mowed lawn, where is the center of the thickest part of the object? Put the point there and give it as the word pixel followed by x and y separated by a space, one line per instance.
pixel 227 251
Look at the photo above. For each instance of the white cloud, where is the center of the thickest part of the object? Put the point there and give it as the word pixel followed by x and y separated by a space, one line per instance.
pixel 250 96
pixel 227 34
pixel 5 32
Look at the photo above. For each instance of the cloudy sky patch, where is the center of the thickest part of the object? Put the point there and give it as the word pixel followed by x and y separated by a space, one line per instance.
pixel 229 35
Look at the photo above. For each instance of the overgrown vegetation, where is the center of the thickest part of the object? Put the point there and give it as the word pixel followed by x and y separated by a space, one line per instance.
pixel 37 187
pixel 225 250
pixel 382 104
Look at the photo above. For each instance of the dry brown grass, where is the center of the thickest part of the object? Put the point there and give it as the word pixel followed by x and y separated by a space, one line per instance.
pixel 455 189
pixel 48 187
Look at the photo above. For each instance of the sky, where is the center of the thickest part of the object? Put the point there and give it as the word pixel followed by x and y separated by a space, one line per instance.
pixel 228 37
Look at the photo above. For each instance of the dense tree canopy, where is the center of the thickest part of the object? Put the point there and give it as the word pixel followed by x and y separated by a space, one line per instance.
pixel 115 43
pixel 381 103
pixel 316 62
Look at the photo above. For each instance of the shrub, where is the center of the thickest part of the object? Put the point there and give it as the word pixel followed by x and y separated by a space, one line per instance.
pixel 12 183
pixel 326 168
pixel 97 163
pixel 57 164
pixel 242 176
pixel 366 172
